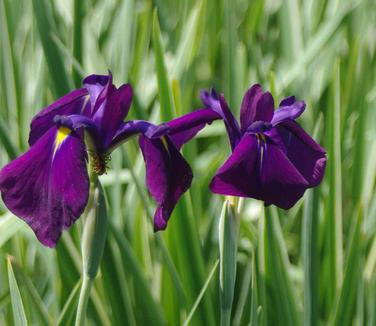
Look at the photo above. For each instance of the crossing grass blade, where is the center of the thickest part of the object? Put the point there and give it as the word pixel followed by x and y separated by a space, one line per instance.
pixel 19 315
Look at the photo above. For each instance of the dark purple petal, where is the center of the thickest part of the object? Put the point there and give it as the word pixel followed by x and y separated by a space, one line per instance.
pixel 304 153
pixel 256 106
pixel 261 171
pixel 219 105
pixel 135 127
pixel 168 176
pixel 71 103
pixel 289 109
pixel 48 185
pixel 184 128
pixel 113 113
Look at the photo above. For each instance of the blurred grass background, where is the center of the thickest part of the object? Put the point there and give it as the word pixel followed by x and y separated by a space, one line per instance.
pixel 312 265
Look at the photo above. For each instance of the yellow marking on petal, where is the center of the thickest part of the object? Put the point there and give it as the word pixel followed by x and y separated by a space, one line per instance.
pixel 61 135
pixel 164 142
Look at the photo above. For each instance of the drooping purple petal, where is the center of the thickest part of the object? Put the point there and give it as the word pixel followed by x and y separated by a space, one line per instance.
pixel 289 109
pixel 48 185
pixel 219 105
pixel 71 103
pixel 259 171
pixel 134 127
pixel 184 128
pixel 304 153
pixel 168 176
pixel 256 106
pixel 116 109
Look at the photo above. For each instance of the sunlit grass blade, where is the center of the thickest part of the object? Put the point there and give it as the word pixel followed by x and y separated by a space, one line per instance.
pixel 78 12
pixel 167 110
pixel 153 314
pixel 316 43
pixel 230 52
pixel 228 246
pixel 311 258
pixel 8 81
pixel 7 142
pixel 334 203
pixel 19 315
pixel 9 226
pixel 191 39
pixel 281 299
pixel 43 14
pixel 38 303
pixel 344 312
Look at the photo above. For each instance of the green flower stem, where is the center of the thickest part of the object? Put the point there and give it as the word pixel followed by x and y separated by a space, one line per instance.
pixel 93 240
pixel 228 246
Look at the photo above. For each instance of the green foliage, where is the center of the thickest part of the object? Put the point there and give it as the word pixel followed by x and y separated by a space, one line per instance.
pixel 313 265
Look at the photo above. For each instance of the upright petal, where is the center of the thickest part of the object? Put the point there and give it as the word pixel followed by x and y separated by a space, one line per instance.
pixel 219 105
pixel 71 103
pixel 99 88
pixel 304 153
pixel 289 109
pixel 48 185
pixel 116 109
pixel 256 106
pixel 168 176
pixel 260 172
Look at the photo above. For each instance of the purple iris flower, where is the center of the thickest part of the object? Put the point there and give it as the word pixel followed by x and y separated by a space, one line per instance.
pixel 48 185
pixel 273 159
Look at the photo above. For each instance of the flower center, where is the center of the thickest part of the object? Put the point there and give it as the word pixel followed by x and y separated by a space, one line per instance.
pixel 99 162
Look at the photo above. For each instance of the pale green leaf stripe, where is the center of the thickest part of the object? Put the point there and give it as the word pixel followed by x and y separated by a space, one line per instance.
pixel 19 315
pixel 201 294
pixel 164 88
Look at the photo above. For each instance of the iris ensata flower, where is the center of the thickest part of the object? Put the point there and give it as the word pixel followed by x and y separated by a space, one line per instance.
pixel 273 159
pixel 48 186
